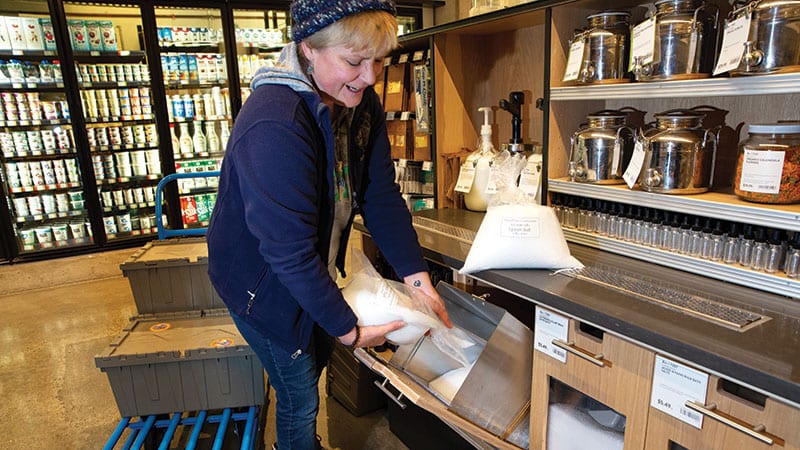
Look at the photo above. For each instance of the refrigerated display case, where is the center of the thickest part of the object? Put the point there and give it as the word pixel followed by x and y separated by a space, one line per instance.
pixel 260 36
pixel 41 173
pixel 195 70
pixel 113 77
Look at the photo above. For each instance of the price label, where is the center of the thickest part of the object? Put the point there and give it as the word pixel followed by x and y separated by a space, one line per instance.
pixel 466 176
pixel 531 175
pixel 673 385
pixel 574 60
pixel 550 326
pixel 631 175
pixel 491 185
pixel 762 171
pixel 730 55
pixel 643 43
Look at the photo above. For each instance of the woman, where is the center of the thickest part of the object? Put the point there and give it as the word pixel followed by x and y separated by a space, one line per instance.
pixel 309 150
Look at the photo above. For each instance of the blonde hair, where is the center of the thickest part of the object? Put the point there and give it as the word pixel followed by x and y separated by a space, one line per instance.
pixel 374 31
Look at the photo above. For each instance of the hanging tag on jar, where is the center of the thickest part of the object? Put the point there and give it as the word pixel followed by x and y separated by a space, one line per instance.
pixel 631 175
pixel 730 55
pixel 574 60
pixel 643 43
pixel 692 49
pixel 491 185
pixel 531 175
pixel 466 176
pixel 615 158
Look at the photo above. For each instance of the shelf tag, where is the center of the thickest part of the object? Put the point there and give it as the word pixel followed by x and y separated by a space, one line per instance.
pixel 466 176
pixel 673 385
pixel 550 326
pixel 643 43
pixel 631 175
pixel 730 55
pixel 419 55
pixel 403 59
pixel 574 60
pixel 531 175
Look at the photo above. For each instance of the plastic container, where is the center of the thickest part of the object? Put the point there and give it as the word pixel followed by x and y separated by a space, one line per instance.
pixel 181 362
pixel 170 276
pixel 768 170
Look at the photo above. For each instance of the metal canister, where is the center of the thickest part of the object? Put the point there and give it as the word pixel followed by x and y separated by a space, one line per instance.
pixel 773 43
pixel 602 149
pixel 686 41
pixel 606 48
pixel 679 154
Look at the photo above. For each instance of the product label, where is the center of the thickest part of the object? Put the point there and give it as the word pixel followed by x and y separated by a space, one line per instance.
pixel 730 55
pixel 673 385
pixel 466 176
pixel 520 227
pixel 491 185
pixel 550 326
pixel 574 60
pixel 531 175
pixel 631 175
pixel 643 43
pixel 761 171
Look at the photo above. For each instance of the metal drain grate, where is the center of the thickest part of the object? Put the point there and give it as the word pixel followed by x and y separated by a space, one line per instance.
pixel 462 234
pixel 669 295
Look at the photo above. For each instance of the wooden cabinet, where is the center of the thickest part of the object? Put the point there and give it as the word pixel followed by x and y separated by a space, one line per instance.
pixel 600 366
pixel 767 419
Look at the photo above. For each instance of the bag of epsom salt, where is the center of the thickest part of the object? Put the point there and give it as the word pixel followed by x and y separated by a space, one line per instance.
pixel 516 232
pixel 377 301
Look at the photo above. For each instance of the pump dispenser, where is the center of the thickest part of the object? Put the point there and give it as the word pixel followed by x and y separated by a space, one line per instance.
pixel 477 199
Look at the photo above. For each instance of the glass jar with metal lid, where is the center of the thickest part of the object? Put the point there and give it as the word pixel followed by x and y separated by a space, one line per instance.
pixel 679 154
pixel 773 43
pixel 768 169
pixel 601 150
pixel 686 32
pixel 606 53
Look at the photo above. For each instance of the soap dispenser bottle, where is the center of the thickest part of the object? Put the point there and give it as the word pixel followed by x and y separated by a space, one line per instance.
pixel 477 199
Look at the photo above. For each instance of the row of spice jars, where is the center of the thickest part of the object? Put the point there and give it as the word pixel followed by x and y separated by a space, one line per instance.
pixel 757 248
pixel 679 155
pixel 679 41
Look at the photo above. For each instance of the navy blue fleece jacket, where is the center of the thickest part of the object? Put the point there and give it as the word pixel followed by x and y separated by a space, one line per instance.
pixel 269 236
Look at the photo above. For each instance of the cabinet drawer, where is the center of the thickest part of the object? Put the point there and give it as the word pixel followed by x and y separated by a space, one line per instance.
pixel 733 407
pixel 609 370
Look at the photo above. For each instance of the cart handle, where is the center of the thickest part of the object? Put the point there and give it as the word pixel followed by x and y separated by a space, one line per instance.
pixel 164 233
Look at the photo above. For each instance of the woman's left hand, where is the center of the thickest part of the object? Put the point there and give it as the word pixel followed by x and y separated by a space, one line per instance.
pixel 422 282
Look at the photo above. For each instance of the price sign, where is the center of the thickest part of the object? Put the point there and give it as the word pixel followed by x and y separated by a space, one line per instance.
pixel 631 175
pixel 673 385
pixel 550 326
pixel 531 174
pixel 574 60
pixel 643 43
pixel 730 55
pixel 466 176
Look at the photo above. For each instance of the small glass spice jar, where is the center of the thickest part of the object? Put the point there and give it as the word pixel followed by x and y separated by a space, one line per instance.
pixel 768 169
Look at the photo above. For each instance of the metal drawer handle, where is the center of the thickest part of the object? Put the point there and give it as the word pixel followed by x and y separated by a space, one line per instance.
pixel 570 347
pixel 710 410
pixel 382 386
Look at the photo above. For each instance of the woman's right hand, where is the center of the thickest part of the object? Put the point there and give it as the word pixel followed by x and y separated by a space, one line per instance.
pixel 371 336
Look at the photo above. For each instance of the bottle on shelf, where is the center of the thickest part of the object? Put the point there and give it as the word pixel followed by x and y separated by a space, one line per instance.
pixel 185 142
pixel 212 140
pixel 224 134
pixel 198 138
pixel 176 143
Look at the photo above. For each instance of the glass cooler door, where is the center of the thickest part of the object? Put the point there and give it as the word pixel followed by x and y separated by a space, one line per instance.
pixel 195 70
pixel 40 173
pixel 114 83
pixel 260 37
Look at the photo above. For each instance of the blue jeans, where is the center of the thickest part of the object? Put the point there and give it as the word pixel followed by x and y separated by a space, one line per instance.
pixel 295 383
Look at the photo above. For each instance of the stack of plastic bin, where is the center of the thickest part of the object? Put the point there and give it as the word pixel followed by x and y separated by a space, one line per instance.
pixel 182 352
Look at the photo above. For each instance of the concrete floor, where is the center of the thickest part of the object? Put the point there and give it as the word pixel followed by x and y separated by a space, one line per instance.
pixel 55 316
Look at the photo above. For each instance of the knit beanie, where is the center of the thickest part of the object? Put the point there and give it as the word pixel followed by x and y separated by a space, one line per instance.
pixel 310 16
